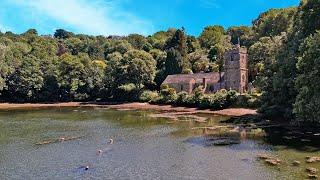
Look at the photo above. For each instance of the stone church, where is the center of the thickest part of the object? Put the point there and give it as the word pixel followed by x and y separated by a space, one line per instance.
pixel 234 77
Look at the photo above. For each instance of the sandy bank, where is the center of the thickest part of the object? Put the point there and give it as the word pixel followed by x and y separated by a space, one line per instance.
pixel 131 106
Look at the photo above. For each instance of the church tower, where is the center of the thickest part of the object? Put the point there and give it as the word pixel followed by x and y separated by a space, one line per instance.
pixel 236 69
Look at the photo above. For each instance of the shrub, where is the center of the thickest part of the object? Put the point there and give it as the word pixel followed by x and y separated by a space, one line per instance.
pixel 167 95
pixel 198 95
pixel 190 101
pixel 232 96
pixel 249 101
pixel 127 92
pixel 182 98
pixel 81 96
pixel 149 96
pixel 207 101
pixel 219 100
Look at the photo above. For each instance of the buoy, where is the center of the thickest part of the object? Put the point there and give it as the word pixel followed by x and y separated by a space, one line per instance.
pixel 110 141
pixel 86 168
pixel 99 151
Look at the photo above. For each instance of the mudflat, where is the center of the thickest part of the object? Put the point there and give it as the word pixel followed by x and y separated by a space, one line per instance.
pixel 130 106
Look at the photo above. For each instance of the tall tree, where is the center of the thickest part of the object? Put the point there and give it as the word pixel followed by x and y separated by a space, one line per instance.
pixel 25 83
pixel 211 35
pixel 242 33
pixel 307 104
pixel 177 57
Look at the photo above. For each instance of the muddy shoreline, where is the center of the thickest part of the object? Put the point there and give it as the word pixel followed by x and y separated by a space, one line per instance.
pixel 130 106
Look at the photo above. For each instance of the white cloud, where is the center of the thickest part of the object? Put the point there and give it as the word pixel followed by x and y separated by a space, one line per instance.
pixel 87 16
pixel 4 28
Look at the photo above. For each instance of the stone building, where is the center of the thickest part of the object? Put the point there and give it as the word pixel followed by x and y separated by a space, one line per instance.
pixel 236 69
pixel 235 75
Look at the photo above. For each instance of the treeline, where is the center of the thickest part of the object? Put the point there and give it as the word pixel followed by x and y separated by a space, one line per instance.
pixel 283 49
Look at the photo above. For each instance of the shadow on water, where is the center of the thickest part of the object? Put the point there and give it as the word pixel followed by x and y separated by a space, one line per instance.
pixel 304 139
pixel 208 141
pixel 292 139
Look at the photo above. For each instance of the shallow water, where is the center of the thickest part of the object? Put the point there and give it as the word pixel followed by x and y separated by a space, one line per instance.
pixel 144 148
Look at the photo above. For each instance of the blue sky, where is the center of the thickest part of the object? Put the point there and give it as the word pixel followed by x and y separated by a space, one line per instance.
pixel 122 17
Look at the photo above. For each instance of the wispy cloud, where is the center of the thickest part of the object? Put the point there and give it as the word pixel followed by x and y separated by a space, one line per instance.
pixel 86 16
pixel 209 4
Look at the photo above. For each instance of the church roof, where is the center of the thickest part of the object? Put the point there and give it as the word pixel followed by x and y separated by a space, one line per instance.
pixel 211 78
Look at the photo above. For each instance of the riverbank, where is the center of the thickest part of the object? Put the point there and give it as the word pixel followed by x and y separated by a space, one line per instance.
pixel 131 106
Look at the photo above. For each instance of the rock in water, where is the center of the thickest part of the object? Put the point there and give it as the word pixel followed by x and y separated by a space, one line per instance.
pixel 264 156
pixel 273 162
pixel 312 159
pixel 312 170
pixel 312 176
pixel 296 163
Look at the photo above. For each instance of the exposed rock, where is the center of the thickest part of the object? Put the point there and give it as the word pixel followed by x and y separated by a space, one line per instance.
pixel 271 160
pixel 264 156
pixel 312 176
pixel 312 170
pixel 61 139
pixel 312 159
pixel 296 163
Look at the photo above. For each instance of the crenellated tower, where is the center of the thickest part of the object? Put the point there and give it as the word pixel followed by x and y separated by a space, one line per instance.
pixel 236 69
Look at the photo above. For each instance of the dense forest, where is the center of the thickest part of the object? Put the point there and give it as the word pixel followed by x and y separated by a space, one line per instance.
pixel 284 62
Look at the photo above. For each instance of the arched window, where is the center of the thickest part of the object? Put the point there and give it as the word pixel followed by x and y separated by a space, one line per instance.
pixel 243 78
pixel 231 58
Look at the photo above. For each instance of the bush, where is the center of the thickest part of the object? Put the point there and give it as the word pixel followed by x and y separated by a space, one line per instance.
pixel 198 95
pixel 232 97
pixel 207 101
pixel 149 96
pixel 249 101
pixel 182 98
pixel 127 92
pixel 167 95
pixel 219 100
pixel 81 96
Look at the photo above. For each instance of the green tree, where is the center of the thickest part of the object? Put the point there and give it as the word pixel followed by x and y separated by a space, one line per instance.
pixel 114 73
pixel 242 33
pixel 177 57
pixel 274 22
pixel 309 12
pixel 72 76
pixel 307 104
pixel 25 83
pixel 212 35
pixel 141 67
pixel 174 62
pixel 62 34
pixel 137 41
pixel 74 45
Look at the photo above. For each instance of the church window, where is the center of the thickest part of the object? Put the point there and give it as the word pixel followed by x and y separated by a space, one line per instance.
pixel 232 58
pixel 181 87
